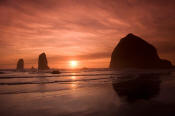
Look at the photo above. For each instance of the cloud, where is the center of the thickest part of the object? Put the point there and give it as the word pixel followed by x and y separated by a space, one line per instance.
pixel 82 28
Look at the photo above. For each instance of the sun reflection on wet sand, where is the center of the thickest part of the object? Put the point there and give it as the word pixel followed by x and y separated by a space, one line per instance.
pixel 73 77
pixel 73 85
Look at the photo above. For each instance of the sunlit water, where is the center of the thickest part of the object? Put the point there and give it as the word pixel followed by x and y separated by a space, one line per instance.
pixel 90 92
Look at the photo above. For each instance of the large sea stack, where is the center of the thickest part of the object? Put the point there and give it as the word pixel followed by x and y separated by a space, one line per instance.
pixel 20 65
pixel 42 62
pixel 134 52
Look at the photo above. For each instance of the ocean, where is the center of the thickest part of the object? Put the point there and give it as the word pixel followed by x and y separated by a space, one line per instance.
pixel 88 92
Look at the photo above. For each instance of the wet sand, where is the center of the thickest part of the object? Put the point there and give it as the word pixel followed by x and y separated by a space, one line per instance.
pixel 127 94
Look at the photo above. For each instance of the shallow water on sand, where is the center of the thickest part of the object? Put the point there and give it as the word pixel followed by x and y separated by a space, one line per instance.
pixel 91 92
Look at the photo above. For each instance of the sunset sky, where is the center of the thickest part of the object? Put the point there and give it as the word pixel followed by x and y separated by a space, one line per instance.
pixel 81 30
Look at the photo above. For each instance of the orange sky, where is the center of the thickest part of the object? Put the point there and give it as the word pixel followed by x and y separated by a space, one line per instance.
pixel 83 30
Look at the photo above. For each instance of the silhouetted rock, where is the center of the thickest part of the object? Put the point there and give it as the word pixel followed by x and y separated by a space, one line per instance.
pixel 42 62
pixel 20 65
pixel 134 52
pixel 56 72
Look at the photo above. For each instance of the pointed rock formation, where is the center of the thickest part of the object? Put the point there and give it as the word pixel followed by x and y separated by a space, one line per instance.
pixel 42 62
pixel 20 65
pixel 134 52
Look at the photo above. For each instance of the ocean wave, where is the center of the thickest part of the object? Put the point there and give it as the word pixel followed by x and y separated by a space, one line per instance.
pixel 55 81
pixel 34 91
pixel 48 76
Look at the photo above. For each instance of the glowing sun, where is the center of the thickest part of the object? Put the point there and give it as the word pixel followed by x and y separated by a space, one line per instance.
pixel 73 63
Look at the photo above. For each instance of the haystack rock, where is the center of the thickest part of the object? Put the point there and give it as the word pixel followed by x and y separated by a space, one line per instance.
pixel 20 65
pixel 42 62
pixel 134 52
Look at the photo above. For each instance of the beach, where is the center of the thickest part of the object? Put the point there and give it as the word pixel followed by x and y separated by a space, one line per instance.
pixel 90 92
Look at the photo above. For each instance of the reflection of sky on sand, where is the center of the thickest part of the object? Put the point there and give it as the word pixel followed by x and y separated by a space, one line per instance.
pixel 74 102
pixel 75 95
